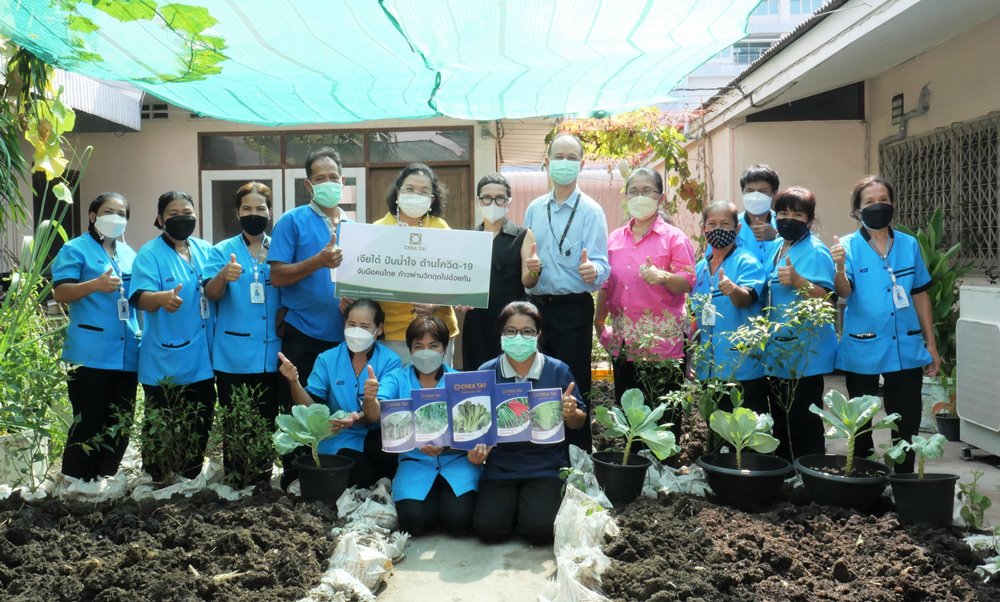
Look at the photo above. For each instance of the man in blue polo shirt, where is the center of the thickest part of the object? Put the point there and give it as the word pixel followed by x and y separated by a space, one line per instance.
pixel 303 256
pixel 759 184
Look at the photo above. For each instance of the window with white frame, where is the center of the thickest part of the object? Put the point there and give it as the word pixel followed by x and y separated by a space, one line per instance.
pixel 766 8
pixel 745 53
pixel 957 169
pixel 805 7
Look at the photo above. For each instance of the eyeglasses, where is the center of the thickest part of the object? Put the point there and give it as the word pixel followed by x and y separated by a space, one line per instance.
pixel 412 190
pixel 650 192
pixel 510 331
pixel 499 201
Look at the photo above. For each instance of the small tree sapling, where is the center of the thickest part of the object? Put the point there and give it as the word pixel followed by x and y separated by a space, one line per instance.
pixel 922 447
pixel 306 425
pixel 744 429
pixel 635 420
pixel 974 502
pixel 848 418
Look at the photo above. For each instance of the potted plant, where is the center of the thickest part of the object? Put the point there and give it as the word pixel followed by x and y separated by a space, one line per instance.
pixel 621 473
pixel 946 413
pixel 740 479
pixel 846 481
pixel 922 498
pixel 321 477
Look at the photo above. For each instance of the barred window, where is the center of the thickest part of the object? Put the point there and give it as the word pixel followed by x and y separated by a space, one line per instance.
pixel 956 168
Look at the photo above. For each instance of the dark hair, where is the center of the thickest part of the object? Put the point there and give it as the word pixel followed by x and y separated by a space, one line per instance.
pixel 165 199
pixel 519 308
pixel 646 172
pixel 319 153
pixel 796 198
pixel 492 178
pixel 98 202
pixel 249 188
pixel 423 325
pixel 760 173
pixel 438 190
pixel 865 182
pixel 376 309
pixel 548 151
pixel 720 207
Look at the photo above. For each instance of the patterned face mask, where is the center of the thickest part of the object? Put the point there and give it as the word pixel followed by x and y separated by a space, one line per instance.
pixel 719 238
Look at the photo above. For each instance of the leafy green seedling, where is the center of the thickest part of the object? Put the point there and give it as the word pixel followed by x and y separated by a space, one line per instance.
pixel 974 503
pixel 635 420
pixel 306 425
pixel 922 447
pixel 744 429
pixel 848 418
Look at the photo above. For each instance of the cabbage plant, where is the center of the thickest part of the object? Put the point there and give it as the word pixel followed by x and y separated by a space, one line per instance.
pixel 635 420
pixel 306 425
pixel 744 429
pixel 922 447
pixel 848 418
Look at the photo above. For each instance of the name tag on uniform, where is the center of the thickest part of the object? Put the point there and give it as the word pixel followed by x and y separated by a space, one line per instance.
pixel 204 307
pixel 708 315
pixel 899 297
pixel 256 292
pixel 123 309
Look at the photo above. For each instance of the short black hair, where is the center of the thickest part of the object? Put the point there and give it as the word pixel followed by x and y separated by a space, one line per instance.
pixel 438 190
pixel 319 153
pixel 760 173
pixel 104 197
pixel 720 207
pixel 865 182
pixel 646 172
pixel 422 325
pixel 796 198
pixel 167 197
pixel 492 178
pixel 376 309
pixel 519 308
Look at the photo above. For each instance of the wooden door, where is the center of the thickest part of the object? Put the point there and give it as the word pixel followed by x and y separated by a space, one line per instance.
pixel 458 180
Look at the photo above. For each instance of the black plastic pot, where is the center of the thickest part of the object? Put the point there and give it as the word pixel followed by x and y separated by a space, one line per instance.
pixel 757 483
pixel 324 483
pixel 929 501
pixel 621 483
pixel 949 426
pixel 859 493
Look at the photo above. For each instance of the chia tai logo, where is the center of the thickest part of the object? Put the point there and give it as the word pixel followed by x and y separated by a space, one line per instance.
pixel 416 242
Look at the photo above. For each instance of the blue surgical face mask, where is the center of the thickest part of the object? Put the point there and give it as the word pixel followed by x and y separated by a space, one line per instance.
pixel 427 361
pixel 564 171
pixel 519 347
pixel 327 194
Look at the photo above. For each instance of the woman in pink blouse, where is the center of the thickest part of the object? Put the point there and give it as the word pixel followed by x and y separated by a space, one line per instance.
pixel 652 269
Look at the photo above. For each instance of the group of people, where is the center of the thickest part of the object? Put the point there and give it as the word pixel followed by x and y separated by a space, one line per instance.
pixel 260 310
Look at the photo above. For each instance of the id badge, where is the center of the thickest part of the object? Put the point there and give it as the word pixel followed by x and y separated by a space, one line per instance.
pixel 333 274
pixel 708 315
pixel 123 309
pixel 899 297
pixel 204 307
pixel 256 292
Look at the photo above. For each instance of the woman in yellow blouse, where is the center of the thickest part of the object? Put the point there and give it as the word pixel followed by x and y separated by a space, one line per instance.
pixel 416 199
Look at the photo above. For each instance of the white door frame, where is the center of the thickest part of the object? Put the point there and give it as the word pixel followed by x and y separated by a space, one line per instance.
pixel 208 176
pixel 348 172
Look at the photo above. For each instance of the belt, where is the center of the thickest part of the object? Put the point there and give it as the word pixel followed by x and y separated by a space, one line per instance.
pixel 558 299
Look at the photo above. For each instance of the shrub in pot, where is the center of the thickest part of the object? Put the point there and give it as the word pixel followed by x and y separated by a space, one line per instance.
pixel 740 479
pixel 846 481
pixel 621 474
pixel 324 478
pixel 946 412
pixel 923 498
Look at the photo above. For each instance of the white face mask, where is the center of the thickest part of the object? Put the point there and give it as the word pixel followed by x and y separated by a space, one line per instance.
pixel 358 339
pixel 110 226
pixel 756 203
pixel 641 207
pixel 493 214
pixel 414 205
pixel 427 361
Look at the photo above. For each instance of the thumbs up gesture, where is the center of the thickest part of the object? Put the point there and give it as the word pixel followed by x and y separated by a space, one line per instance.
pixel 371 385
pixel 838 253
pixel 788 276
pixel 533 263
pixel 287 368
pixel 108 282
pixel 233 270
pixel 726 286
pixel 171 300
pixel 331 255
pixel 569 406
pixel 652 274
pixel 588 271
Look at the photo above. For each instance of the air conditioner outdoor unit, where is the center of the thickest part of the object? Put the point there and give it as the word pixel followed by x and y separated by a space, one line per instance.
pixel 978 366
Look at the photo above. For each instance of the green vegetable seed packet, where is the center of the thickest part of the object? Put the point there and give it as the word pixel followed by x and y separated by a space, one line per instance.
pixel 470 408
pixel 546 416
pixel 397 426
pixel 513 413
pixel 430 415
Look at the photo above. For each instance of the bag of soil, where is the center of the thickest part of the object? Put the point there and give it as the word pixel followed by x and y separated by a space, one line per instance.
pixel 365 563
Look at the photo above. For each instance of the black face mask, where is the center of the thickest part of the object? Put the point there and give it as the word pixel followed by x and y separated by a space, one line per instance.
pixel 792 230
pixel 719 238
pixel 877 216
pixel 180 227
pixel 254 224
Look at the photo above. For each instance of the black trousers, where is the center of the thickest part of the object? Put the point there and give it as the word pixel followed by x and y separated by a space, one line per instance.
pixel 235 458
pixel 362 473
pixel 806 428
pixel 383 463
pixel 755 393
pixel 901 394
pixel 568 336
pixel 302 350
pixel 101 400
pixel 527 507
pixel 441 505
pixel 201 397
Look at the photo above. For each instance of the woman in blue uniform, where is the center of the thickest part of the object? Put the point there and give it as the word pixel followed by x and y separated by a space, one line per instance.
pixel 168 286
pixel 433 485
pixel 728 292
pixel 520 489
pixel 797 356
pixel 888 325
pixel 338 380
pixel 245 346
pixel 92 273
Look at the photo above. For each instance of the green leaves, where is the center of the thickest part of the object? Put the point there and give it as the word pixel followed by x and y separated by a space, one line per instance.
pixel 923 447
pixel 744 429
pixel 848 418
pixel 636 420
pixel 306 425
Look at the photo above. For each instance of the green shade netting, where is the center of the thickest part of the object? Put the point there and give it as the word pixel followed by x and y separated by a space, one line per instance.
pixel 282 62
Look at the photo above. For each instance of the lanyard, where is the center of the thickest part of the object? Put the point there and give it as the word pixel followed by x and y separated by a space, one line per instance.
pixel 562 239
pixel 264 246
pixel 885 258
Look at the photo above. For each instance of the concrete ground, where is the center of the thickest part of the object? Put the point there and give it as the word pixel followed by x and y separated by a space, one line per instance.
pixel 445 569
